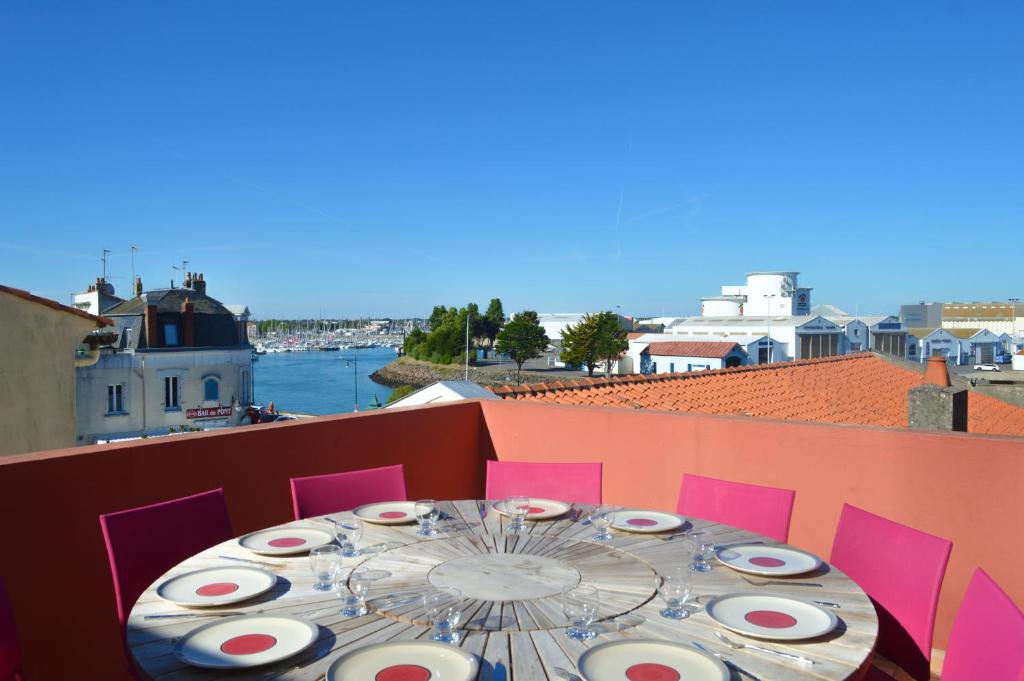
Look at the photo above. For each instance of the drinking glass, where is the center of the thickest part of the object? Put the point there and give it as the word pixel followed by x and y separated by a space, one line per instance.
pixel 602 518
pixel 324 561
pixel 580 605
pixel 426 513
pixel 444 610
pixel 354 596
pixel 349 530
pixel 675 587
pixel 701 548
pixel 517 508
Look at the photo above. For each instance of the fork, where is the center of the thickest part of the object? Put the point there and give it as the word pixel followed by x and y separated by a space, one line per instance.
pixel 176 615
pixel 736 645
pixel 779 583
pixel 689 533
pixel 254 562
pixel 729 663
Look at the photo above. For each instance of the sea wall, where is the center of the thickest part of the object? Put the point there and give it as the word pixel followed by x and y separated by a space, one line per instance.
pixel 408 371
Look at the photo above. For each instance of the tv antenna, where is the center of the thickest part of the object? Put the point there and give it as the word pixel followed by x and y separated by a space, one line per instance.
pixel 103 258
pixel 182 269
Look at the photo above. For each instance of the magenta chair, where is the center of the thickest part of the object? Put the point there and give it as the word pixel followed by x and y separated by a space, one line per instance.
pixel 901 569
pixel 987 641
pixel 579 482
pixel 144 543
pixel 323 494
pixel 765 510
pixel 10 653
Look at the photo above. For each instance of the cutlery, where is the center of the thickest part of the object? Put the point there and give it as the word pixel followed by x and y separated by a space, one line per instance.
pixel 725 660
pixel 254 562
pixel 168 616
pixel 828 604
pixel 566 674
pixel 691 533
pixel 780 583
pixel 736 645
pixel 719 547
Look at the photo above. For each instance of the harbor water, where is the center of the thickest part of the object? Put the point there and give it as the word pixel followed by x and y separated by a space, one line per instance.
pixel 320 382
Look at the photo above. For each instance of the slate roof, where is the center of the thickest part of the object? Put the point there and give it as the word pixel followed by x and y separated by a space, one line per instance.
pixel 169 300
pixel 861 389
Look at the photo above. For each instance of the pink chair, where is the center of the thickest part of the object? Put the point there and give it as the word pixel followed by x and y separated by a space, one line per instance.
pixel 987 641
pixel 765 510
pixel 145 542
pixel 10 653
pixel 580 482
pixel 901 569
pixel 323 494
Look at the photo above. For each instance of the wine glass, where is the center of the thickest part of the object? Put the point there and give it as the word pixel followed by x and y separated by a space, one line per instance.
pixel 348 531
pixel 580 605
pixel 355 596
pixel 602 518
pixel 444 610
pixel 702 549
pixel 426 513
pixel 324 561
pixel 675 587
pixel 517 508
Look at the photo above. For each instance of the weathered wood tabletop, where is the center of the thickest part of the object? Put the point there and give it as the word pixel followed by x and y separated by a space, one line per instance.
pixel 513 622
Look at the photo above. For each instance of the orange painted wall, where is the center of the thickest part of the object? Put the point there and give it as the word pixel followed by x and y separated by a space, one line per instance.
pixel 967 488
pixel 53 558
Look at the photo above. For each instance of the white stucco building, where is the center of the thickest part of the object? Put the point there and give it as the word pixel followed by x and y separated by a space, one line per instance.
pixel 669 357
pixel 797 337
pixel 935 343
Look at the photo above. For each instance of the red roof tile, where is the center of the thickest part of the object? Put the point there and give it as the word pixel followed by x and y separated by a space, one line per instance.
pixel 690 349
pixel 858 389
pixel 100 321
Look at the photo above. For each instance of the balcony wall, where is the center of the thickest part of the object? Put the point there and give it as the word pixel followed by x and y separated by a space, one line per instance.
pixel 966 488
pixel 53 557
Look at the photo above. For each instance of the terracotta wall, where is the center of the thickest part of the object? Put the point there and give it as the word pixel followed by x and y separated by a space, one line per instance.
pixel 53 558
pixel 966 488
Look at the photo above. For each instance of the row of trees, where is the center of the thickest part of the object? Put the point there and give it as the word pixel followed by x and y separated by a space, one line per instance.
pixel 446 341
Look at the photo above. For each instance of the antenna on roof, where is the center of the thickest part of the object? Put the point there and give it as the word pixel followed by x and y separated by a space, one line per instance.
pixel 104 259
pixel 183 269
pixel 131 254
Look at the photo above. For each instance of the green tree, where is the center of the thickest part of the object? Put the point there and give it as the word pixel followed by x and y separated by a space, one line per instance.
pixel 522 338
pixel 594 338
pixel 611 339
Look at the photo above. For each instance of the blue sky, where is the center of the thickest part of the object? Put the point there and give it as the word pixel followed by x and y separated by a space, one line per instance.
pixel 367 158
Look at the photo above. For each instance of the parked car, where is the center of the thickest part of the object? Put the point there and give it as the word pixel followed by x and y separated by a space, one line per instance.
pixel 986 367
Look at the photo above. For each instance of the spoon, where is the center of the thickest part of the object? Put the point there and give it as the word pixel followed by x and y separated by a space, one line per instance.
pixel 736 645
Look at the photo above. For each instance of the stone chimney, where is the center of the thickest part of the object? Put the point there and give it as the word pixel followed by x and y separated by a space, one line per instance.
pixel 152 337
pixel 199 284
pixel 138 286
pixel 935 404
pixel 188 323
pixel 188 280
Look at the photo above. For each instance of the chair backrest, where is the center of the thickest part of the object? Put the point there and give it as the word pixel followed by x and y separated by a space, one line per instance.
pixel 765 510
pixel 579 482
pixel 323 494
pixel 901 569
pixel 10 652
pixel 145 542
pixel 987 641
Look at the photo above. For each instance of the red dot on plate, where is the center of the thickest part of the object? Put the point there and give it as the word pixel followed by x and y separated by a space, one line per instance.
pixel 392 514
pixel 248 644
pixel 286 542
pixel 770 619
pixel 641 522
pixel 649 671
pixel 766 561
pixel 536 509
pixel 217 589
pixel 403 672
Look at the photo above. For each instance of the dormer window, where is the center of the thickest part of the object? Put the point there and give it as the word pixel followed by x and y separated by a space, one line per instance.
pixel 170 334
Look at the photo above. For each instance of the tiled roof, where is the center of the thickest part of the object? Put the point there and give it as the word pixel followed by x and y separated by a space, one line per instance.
pixel 100 321
pixel 861 389
pixel 690 349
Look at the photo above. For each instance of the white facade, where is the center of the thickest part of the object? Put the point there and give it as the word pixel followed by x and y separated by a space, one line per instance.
pixel 756 347
pixel 936 343
pixel 797 337
pixel 554 323
pixel 1018 361
pixel 980 348
pixel 765 294
pixel 658 363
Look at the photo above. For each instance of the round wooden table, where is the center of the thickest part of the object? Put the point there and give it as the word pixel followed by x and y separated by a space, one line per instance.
pixel 513 622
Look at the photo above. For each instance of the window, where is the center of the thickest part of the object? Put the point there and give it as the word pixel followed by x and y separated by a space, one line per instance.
pixel 654 367
pixel 672 367
pixel 170 334
pixel 115 399
pixel 211 390
pixel 171 401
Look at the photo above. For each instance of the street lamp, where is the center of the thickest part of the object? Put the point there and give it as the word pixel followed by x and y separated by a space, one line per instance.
pixel 354 363
pixel 768 297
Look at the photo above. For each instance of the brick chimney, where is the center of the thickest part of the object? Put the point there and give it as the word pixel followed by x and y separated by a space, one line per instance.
pixel 138 286
pixel 188 319
pixel 935 404
pixel 199 284
pixel 152 337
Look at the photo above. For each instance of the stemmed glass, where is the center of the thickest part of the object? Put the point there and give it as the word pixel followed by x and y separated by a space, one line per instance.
pixel 324 561
pixel 701 548
pixel 427 512
pixel 602 518
pixel 355 596
pixel 348 531
pixel 580 605
pixel 675 587
pixel 444 610
pixel 517 508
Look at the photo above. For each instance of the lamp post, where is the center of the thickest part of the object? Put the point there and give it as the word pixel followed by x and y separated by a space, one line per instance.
pixel 354 362
pixel 768 297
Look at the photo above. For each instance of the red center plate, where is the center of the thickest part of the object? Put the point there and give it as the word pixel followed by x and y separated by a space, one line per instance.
pixel 248 644
pixel 286 542
pixel 647 671
pixel 766 561
pixel 770 619
pixel 403 672
pixel 217 589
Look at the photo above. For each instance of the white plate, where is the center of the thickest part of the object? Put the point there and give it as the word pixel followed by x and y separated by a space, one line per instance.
pixel 405 660
pixel 775 618
pixel 246 641
pixel 216 586
pixel 285 541
pixel 647 521
pixel 770 561
pixel 387 512
pixel 540 509
pixel 616 660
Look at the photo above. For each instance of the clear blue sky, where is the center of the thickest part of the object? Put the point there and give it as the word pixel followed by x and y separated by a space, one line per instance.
pixel 376 158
